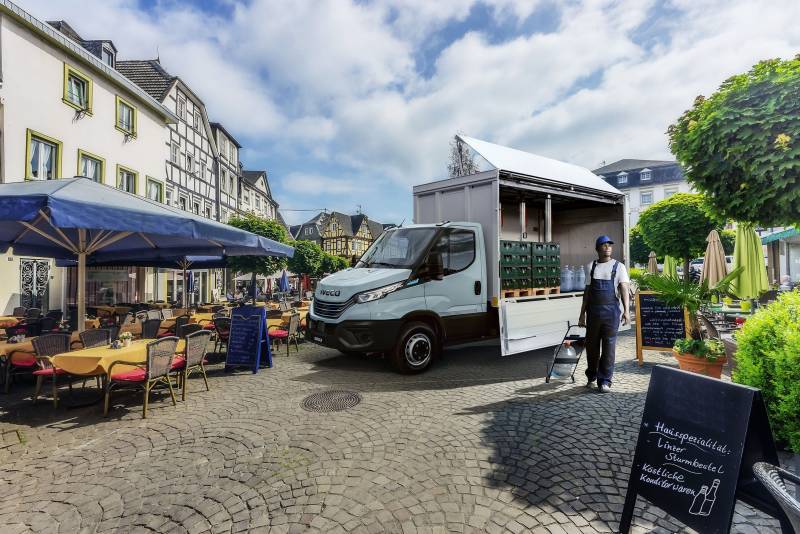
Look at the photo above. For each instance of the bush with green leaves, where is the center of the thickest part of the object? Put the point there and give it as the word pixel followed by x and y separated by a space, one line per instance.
pixel 307 258
pixel 677 226
pixel 741 146
pixel 331 264
pixel 640 252
pixel 768 358
pixel 710 349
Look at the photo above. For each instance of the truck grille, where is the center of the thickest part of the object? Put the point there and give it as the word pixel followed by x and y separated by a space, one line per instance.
pixel 330 310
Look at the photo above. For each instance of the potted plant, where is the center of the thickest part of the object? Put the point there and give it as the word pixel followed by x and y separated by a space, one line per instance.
pixel 695 354
pixel 126 338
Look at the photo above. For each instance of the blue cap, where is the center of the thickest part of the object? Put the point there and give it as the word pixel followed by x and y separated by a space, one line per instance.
pixel 602 239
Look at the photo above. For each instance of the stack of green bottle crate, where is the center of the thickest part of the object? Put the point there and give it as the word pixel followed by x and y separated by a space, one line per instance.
pixel 526 265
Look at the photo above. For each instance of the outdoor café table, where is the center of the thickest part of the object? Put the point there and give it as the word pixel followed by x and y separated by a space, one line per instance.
pixel 202 318
pixel 119 310
pixel 97 360
pixel 23 349
pixel 8 320
pixel 160 305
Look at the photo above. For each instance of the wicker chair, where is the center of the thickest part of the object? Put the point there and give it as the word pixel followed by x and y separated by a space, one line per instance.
pixel 154 314
pixel 44 347
pixel 47 325
pixel 166 313
pixel 150 328
pixel 17 363
pixel 173 330
pixel 187 329
pixel 160 354
pixel 222 327
pixel 290 333
pixel 774 479
pixel 284 306
pixel 217 309
pixel 194 359
pixel 19 311
pixel 94 337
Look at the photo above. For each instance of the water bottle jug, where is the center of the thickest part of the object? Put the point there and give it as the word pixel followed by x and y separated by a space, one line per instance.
pixel 564 370
pixel 580 279
pixel 566 279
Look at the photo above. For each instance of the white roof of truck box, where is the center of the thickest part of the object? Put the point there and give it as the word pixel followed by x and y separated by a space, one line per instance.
pixel 516 161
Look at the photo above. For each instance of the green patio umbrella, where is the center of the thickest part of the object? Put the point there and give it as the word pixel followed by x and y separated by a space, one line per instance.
pixel 748 254
pixel 670 267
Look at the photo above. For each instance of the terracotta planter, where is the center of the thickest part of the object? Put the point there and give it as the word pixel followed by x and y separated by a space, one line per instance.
pixel 702 366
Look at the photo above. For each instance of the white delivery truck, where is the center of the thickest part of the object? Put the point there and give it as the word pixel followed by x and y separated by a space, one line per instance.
pixel 437 282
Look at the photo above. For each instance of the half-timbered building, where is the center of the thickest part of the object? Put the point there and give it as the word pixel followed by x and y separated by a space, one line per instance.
pixel 229 170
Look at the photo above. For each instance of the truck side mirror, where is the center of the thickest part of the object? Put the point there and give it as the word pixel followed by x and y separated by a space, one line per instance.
pixel 434 266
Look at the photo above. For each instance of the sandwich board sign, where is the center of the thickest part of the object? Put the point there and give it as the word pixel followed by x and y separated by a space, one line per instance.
pixel 658 326
pixel 248 338
pixel 698 440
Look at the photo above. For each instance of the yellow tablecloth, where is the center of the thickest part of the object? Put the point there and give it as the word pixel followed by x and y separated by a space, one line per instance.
pixel 24 348
pixel 284 320
pixel 8 320
pixel 202 318
pixel 97 360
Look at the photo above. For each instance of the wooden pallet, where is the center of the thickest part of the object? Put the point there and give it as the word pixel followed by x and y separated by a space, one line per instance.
pixel 530 292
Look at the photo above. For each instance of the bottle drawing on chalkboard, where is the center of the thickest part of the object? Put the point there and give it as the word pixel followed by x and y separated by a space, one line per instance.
pixel 699 499
pixel 705 499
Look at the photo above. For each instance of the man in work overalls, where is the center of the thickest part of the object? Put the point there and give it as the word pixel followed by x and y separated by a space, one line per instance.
pixel 606 288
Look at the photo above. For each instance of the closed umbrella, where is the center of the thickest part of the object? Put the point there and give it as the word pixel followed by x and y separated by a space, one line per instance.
pixel 714 267
pixel 747 253
pixel 283 282
pixel 670 267
pixel 652 263
pixel 77 218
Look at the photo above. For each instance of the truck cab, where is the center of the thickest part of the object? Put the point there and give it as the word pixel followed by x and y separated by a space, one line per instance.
pixel 416 288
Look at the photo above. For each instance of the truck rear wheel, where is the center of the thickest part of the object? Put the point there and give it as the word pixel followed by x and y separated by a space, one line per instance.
pixel 416 348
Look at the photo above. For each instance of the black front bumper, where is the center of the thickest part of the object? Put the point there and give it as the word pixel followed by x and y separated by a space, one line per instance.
pixel 355 336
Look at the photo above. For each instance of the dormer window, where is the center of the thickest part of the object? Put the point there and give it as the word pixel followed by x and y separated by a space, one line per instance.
pixel 646 175
pixel 308 231
pixel 622 178
pixel 107 55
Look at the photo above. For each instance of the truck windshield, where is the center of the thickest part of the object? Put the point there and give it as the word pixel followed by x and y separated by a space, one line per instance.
pixel 398 248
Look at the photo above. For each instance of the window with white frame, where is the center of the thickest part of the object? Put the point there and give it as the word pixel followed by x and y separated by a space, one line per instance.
pixel 232 152
pixel 208 211
pixel 223 180
pixel 155 190
pixel 308 231
pixel 108 57
pixel 196 207
pixel 669 191
pixel 126 180
pixel 183 202
pixel 168 196
pixel 246 197
pixel 232 185
pixel 224 215
pixel 189 163
pixel 223 146
pixel 646 198
pixel 258 203
pixel 174 153
pixel 182 108
pixel 196 118
pixel 646 175
pixel 77 90
pixel 622 178
pixel 44 156
pixel 90 167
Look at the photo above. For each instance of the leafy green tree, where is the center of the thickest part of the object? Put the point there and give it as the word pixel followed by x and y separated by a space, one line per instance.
pixel 307 258
pixel 640 252
pixel 677 226
pixel 264 265
pixel 332 263
pixel 741 146
pixel 728 239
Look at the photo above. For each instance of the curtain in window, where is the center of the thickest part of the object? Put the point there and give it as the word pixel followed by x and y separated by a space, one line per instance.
pixel 154 191
pixel 90 168
pixel 41 160
pixel 125 121
pixel 76 91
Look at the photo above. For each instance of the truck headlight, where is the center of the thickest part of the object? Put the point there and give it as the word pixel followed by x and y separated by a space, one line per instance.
pixel 375 294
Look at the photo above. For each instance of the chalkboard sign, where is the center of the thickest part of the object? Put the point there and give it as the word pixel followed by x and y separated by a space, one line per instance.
pixel 698 441
pixel 247 338
pixel 658 326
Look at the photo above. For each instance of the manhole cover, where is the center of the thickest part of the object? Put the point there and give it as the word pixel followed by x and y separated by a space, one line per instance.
pixel 331 401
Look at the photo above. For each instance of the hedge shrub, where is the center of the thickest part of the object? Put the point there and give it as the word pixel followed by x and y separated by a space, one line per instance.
pixel 768 358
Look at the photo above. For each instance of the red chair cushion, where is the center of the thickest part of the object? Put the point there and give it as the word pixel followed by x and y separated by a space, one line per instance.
pixel 178 362
pixel 280 334
pixel 166 334
pixel 48 372
pixel 23 360
pixel 209 327
pixel 135 375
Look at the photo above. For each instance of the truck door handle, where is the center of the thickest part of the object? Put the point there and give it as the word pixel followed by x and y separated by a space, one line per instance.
pixel 477 287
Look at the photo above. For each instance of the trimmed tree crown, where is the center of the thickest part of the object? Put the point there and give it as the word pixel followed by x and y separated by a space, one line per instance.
pixel 677 226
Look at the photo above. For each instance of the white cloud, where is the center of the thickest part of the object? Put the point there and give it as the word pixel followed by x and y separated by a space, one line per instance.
pixel 316 184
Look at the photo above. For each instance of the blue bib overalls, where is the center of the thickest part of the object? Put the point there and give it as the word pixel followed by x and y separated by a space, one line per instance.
pixel 602 323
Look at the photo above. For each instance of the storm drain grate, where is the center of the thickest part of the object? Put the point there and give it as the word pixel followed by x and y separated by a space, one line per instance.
pixel 331 401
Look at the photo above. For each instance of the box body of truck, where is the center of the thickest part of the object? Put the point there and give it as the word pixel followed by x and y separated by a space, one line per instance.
pixel 535 200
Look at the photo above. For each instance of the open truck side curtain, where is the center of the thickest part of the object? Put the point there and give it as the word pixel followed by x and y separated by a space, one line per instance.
pixel 438 282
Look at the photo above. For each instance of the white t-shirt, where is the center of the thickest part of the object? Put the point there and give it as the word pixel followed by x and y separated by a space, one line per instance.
pixel 603 272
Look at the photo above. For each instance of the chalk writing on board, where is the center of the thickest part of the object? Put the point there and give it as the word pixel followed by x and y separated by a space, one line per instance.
pixel 660 325
pixel 244 344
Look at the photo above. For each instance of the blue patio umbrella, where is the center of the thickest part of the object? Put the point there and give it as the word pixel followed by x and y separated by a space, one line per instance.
pixel 78 218
pixel 283 282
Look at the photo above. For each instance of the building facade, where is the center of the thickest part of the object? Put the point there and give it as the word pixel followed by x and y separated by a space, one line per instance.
pixel 255 195
pixel 644 182
pixel 340 234
pixel 67 112
pixel 229 171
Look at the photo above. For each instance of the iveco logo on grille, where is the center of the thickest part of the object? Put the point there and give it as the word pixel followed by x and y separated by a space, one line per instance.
pixel 330 292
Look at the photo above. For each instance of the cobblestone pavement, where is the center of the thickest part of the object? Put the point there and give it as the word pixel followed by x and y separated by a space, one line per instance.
pixel 478 444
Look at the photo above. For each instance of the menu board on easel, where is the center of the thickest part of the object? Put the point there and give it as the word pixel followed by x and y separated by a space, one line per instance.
pixel 245 341
pixel 658 326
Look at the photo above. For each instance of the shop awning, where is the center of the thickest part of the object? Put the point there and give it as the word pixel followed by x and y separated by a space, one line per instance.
pixel 785 234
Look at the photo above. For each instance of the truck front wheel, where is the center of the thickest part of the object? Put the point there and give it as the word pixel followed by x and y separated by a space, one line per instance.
pixel 416 348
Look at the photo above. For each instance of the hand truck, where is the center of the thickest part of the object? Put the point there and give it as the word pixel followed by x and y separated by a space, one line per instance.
pixel 578 342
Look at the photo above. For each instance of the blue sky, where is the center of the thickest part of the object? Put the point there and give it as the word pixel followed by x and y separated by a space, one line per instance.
pixel 350 103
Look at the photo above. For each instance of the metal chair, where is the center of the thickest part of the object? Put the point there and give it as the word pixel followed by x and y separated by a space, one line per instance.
pixel 222 328
pixel 19 311
pixel 94 337
pixel 155 370
pixel 150 328
pixel 187 329
pixel 774 479
pixel 290 333
pixel 194 359
pixel 44 347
